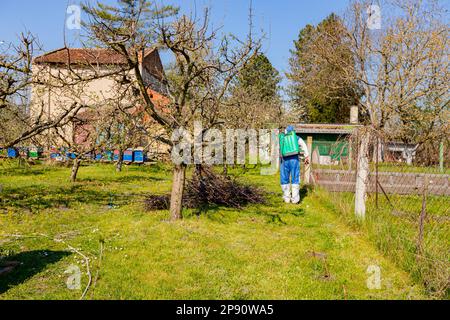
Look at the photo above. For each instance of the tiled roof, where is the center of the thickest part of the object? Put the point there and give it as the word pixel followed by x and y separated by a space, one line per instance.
pixel 84 56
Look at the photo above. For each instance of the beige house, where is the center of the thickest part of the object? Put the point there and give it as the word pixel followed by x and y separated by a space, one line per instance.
pixel 91 77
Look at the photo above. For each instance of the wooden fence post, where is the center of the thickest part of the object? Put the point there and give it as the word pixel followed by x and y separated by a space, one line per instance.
pixel 362 176
pixel 376 172
pixel 308 166
pixel 350 153
pixel 422 217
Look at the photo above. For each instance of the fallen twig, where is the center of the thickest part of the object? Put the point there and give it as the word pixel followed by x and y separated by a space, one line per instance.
pixel 86 259
pixel 98 269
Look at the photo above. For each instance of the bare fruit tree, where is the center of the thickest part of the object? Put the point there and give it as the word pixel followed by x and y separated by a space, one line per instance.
pixel 18 121
pixel 197 84
pixel 402 70
pixel 68 77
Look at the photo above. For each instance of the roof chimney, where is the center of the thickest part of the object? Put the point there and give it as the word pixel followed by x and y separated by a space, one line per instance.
pixel 354 115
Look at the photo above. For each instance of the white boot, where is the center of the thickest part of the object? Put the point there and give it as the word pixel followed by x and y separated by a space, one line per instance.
pixel 295 193
pixel 286 192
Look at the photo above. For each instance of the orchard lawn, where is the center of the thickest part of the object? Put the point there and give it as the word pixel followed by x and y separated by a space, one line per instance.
pixel 272 251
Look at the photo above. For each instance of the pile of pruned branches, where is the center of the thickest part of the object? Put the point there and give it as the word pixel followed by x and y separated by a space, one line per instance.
pixel 209 188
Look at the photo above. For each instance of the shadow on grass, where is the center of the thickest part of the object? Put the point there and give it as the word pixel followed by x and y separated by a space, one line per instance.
pixel 39 197
pixel 275 219
pixel 212 212
pixel 122 179
pixel 300 212
pixel 304 191
pixel 219 214
pixel 31 263
pixel 207 209
pixel 16 171
pixel 278 212
pixel 275 216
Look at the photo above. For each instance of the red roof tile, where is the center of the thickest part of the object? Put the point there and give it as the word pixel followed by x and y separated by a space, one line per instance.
pixel 84 56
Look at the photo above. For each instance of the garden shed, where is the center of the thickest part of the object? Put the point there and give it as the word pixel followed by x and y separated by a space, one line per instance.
pixel 328 143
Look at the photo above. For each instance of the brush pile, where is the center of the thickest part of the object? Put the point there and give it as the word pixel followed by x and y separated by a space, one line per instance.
pixel 209 188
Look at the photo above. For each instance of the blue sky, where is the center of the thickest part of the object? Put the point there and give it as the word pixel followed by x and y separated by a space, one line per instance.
pixel 281 20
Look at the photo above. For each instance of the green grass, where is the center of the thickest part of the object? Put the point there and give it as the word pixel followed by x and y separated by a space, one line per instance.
pixel 395 231
pixel 260 252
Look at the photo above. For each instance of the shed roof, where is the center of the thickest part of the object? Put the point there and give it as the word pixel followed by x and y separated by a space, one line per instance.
pixel 325 128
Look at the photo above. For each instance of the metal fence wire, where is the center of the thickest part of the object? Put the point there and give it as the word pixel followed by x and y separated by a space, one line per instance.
pixel 407 200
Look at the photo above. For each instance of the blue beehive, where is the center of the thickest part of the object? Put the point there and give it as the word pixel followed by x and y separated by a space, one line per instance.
pixel 13 153
pixel 71 155
pixel 139 156
pixel 109 155
pixel 116 155
pixel 128 155
pixel 54 153
pixel 98 157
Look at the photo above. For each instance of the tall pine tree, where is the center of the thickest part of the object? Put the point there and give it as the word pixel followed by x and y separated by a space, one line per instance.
pixel 318 90
pixel 261 77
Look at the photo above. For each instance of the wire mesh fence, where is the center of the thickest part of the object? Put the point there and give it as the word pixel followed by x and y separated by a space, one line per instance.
pixel 406 198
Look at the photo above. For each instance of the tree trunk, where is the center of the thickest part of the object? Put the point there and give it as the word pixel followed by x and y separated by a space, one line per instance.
pixel 119 162
pixel 362 176
pixel 225 169
pixel 198 170
pixel 307 179
pixel 377 151
pixel 21 162
pixel 75 167
pixel 176 199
